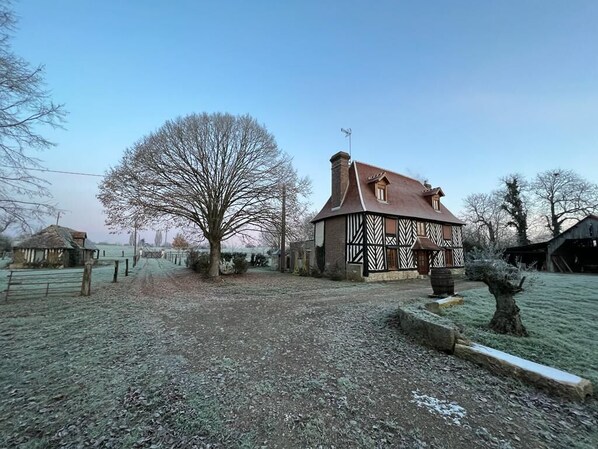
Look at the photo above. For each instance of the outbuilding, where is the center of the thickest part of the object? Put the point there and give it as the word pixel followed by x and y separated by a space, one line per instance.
pixel 53 247
pixel 572 251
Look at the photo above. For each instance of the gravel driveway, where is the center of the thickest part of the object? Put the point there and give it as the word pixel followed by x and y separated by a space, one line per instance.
pixel 304 362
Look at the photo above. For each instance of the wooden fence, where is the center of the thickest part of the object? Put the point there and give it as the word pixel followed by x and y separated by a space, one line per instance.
pixel 48 283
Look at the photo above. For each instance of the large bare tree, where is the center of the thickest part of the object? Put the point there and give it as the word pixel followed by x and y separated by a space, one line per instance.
pixel 563 195
pixel 25 107
pixel 486 218
pixel 219 172
pixel 293 193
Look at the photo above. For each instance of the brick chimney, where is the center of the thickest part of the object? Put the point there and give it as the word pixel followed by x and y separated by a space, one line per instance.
pixel 340 177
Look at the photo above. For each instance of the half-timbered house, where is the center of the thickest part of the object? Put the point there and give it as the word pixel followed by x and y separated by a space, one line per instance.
pixel 380 225
pixel 54 247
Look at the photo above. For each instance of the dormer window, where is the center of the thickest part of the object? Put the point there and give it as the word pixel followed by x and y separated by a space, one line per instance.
pixel 433 197
pixel 380 182
pixel 381 192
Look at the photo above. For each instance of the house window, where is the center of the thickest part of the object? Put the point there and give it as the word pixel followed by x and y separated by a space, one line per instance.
pixel 447 232
pixel 448 257
pixel 436 202
pixel 421 228
pixel 381 192
pixel 391 226
pixel 392 259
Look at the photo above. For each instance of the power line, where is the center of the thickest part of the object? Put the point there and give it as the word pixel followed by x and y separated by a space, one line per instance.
pixel 54 171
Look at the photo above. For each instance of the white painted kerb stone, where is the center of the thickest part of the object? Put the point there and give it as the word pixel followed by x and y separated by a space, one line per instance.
pixel 553 379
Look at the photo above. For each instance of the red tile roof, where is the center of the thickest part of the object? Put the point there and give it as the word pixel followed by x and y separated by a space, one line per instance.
pixel 406 197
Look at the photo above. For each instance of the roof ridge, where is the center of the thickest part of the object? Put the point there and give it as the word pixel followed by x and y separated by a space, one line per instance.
pixel 390 171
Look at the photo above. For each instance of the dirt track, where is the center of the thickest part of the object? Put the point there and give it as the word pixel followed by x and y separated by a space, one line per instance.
pixel 303 362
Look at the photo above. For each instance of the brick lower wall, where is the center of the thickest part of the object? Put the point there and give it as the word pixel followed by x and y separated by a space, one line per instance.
pixel 334 242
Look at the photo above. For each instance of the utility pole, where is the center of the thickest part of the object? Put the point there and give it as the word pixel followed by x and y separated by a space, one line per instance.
pixel 283 258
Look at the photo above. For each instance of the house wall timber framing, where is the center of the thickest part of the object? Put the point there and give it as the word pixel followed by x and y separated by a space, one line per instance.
pixel 368 241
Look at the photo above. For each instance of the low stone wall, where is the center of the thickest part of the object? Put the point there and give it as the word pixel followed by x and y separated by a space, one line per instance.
pixel 428 328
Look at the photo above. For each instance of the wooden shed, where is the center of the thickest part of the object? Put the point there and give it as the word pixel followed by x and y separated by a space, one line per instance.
pixel 572 251
pixel 53 247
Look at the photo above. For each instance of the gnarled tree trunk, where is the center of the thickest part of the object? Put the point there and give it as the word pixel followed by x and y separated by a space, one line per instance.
pixel 506 319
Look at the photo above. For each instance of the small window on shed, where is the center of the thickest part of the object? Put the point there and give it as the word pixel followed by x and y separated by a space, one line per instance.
pixel 447 232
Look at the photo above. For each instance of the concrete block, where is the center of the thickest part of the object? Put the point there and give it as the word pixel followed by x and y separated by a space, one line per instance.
pixel 552 379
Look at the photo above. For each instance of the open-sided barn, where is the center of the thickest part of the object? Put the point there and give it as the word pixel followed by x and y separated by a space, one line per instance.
pixel 572 251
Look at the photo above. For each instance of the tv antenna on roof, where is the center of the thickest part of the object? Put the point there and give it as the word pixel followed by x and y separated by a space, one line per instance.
pixel 348 134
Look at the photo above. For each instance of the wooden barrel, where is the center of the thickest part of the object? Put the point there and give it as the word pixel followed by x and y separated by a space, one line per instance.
pixel 442 281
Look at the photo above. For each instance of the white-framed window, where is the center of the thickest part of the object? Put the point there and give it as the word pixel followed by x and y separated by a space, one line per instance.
pixel 381 192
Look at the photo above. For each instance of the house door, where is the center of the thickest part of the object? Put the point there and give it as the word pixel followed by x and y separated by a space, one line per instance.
pixel 423 265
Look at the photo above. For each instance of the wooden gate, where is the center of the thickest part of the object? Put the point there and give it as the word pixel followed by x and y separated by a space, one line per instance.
pixel 44 283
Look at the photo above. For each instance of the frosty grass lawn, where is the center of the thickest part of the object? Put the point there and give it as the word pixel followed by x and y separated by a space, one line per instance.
pixel 560 312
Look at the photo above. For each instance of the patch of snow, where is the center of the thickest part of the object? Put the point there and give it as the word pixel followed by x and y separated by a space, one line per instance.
pixel 448 410
pixel 546 371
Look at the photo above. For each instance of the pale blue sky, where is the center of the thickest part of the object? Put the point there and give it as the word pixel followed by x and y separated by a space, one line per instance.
pixel 459 92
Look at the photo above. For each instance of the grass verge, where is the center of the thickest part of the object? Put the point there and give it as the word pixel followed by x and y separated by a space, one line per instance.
pixel 560 313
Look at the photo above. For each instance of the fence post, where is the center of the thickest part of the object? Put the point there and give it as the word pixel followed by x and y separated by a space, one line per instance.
pixel 8 286
pixel 86 284
pixel 126 267
pixel 115 271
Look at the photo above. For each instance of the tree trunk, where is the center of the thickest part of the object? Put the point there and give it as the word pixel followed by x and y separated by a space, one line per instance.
pixel 214 271
pixel 506 319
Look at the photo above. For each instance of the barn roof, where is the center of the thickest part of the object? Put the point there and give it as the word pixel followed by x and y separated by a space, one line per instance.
pixel 406 197
pixel 56 237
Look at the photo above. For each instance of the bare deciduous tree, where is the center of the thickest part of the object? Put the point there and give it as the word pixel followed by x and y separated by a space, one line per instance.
pixel 25 106
pixel 563 196
pixel 486 218
pixel 219 172
pixel 295 189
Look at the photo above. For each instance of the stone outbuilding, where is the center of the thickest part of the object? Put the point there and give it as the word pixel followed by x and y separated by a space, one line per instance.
pixel 54 247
